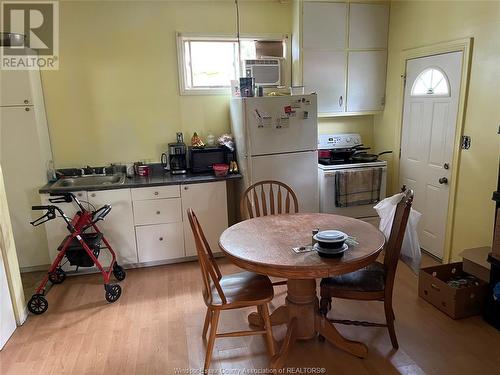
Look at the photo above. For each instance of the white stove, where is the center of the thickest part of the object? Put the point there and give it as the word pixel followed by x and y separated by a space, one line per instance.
pixel 348 187
pixel 348 165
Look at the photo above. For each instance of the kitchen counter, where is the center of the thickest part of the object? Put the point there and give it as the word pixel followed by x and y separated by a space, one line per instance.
pixel 156 179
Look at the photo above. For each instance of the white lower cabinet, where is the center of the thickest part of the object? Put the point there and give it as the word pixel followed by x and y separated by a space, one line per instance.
pixel 160 242
pixel 118 226
pixel 157 211
pixel 146 227
pixel 209 202
pixel 56 229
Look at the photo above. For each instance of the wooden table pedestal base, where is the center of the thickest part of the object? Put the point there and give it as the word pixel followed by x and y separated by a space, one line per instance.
pixel 300 314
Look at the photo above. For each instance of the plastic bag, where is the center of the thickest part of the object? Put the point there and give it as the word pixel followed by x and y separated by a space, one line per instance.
pixel 410 249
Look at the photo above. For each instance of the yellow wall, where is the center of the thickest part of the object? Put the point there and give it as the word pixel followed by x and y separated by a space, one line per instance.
pixel 349 124
pixel 415 24
pixel 115 97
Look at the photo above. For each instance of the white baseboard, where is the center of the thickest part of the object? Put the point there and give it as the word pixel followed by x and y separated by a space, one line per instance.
pixel 41 267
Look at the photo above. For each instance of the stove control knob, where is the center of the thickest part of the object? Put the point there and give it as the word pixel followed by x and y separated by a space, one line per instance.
pixel 348 139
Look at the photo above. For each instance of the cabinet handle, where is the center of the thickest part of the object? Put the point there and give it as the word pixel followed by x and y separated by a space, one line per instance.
pixel 79 194
pixel 26 101
pixel 92 195
pixel 156 193
pixel 157 212
pixel 27 109
pixel 161 238
pixel 185 188
pixel 341 101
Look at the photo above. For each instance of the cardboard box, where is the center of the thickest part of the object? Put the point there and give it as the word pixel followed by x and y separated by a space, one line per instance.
pixel 475 262
pixel 455 302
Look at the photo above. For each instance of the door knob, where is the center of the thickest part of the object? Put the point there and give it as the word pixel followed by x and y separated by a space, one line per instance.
pixel 443 180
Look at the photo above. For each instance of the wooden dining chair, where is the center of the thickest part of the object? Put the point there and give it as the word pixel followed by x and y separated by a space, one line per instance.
pixel 375 282
pixel 235 291
pixel 268 197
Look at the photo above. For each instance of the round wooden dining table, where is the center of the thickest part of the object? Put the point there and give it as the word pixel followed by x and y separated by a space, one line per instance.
pixel 264 245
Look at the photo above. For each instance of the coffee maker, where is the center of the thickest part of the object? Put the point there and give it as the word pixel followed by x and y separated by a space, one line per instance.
pixel 177 152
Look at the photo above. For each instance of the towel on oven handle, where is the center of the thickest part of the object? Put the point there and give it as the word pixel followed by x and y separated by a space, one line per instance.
pixel 356 187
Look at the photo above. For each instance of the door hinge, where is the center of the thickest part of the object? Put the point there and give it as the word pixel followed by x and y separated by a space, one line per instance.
pixel 403 76
pixel 400 153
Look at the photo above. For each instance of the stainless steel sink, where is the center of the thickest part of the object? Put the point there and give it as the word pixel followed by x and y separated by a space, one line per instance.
pixel 89 181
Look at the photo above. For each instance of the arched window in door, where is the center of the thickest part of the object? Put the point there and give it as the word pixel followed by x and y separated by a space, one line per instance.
pixel 431 82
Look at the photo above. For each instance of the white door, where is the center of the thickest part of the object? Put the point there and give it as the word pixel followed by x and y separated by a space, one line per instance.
pixel 24 172
pixel 428 135
pixel 209 202
pixel 298 170
pixel 7 319
pixel 281 124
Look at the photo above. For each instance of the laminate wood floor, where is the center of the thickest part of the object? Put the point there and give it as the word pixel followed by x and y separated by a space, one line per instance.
pixel 155 328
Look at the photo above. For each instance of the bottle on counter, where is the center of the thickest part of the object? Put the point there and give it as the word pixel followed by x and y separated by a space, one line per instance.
pixel 210 139
pixel 51 171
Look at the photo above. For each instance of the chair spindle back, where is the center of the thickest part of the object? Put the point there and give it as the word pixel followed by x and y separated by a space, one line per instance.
pixel 268 198
pixel 209 270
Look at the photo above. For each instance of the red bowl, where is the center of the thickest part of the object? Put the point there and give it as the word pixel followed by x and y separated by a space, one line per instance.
pixel 220 170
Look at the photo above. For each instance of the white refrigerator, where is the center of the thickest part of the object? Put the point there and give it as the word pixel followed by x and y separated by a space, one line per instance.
pixel 276 139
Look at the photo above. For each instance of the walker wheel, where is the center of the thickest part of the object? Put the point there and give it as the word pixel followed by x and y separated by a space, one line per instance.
pixel 57 276
pixel 37 304
pixel 119 272
pixel 113 292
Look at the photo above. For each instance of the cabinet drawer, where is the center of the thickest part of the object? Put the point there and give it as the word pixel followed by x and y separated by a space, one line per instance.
pixel 158 192
pixel 157 211
pixel 160 242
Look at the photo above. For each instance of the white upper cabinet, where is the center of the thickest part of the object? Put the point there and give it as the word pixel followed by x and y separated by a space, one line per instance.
pixel 325 74
pixel 15 87
pixel 368 26
pixel 342 55
pixel 366 81
pixel 324 25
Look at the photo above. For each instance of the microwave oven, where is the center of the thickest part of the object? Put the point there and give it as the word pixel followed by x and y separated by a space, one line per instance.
pixel 201 160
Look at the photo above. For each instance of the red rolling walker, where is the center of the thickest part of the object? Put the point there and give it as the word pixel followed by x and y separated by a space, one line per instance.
pixel 81 248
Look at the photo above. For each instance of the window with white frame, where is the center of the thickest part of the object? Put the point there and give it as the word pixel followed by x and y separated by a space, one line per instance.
pixel 207 65
pixel 431 82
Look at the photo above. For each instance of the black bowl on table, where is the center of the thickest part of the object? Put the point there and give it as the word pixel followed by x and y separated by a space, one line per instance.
pixel 330 243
